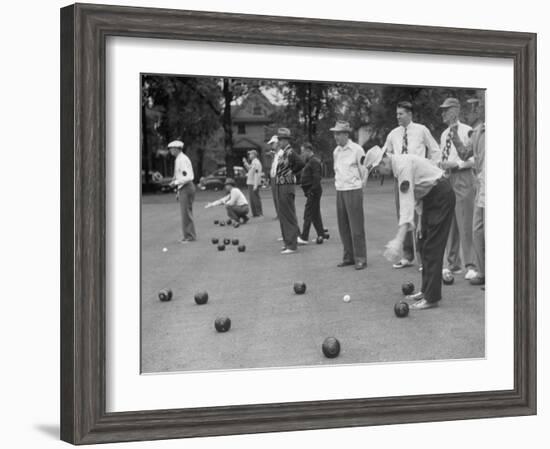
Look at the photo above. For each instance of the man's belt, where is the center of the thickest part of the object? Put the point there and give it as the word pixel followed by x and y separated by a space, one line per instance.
pixel 457 169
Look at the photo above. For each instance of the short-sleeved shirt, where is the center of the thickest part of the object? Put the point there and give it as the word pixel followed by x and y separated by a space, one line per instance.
pixel 349 171
pixel 254 171
pixel 415 178
pixel 419 141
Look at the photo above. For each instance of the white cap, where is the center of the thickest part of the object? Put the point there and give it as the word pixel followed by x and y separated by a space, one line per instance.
pixel 274 139
pixel 373 157
pixel 175 144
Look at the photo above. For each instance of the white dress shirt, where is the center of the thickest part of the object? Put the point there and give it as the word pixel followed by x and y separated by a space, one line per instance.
pixel 276 156
pixel 349 171
pixel 415 178
pixel 419 139
pixel 183 165
pixel 463 131
pixel 234 198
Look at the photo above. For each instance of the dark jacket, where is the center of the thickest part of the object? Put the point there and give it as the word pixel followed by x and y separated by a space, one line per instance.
pixel 288 166
pixel 311 175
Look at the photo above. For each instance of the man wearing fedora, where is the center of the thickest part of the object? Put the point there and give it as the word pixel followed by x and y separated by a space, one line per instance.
pixel 422 187
pixel 461 175
pixel 288 165
pixel 350 176
pixel 183 181
pixel 410 138
pixel 235 203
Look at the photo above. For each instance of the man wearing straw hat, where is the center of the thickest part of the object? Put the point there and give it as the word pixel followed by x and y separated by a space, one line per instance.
pixel 288 164
pixel 349 178
pixel 276 152
pixel 422 186
pixel 183 181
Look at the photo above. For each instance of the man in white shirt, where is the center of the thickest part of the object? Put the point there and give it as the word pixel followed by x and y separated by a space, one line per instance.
pixel 183 181
pixel 463 181
pixel 253 181
pixel 277 153
pixel 422 186
pixel 235 203
pixel 410 138
pixel 349 178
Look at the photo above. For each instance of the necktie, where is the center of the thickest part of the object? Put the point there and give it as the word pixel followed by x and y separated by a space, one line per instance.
pixel 448 143
pixel 405 146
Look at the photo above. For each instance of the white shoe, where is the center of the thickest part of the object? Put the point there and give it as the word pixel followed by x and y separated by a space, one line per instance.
pixel 470 274
pixel 302 242
pixel 415 296
pixel 446 272
pixel 280 239
pixel 288 251
pixel 402 264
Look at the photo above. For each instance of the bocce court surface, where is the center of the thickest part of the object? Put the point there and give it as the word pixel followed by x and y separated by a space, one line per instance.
pixel 271 326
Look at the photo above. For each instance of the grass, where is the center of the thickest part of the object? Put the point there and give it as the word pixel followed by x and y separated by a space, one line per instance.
pixel 271 325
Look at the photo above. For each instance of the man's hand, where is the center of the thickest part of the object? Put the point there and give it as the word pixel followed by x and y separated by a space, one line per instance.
pixel 393 251
pixel 255 188
pixel 448 165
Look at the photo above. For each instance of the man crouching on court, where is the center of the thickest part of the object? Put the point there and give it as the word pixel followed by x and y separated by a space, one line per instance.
pixel 423 186
pixel 235 203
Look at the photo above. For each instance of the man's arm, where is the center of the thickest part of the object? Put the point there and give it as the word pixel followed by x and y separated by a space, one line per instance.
pixel 296 162
pixel 219 202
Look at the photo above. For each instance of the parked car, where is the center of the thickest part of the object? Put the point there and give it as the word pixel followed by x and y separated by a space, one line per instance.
pixel 215 181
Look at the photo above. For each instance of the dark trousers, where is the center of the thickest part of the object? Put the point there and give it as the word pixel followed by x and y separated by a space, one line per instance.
pixel 237 212
pixel 408 243
pixel 287 215
pixel 437 216
pixel 312 212
pixel 351 224
pixel 274 193
pixel 186 198
pixel 255 201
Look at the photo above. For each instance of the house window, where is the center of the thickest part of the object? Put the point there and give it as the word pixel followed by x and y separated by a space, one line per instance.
pixel 241 129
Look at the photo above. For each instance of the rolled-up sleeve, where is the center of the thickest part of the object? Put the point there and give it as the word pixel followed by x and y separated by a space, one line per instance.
pixel 183 171
pixel 405 183
pixel 434 151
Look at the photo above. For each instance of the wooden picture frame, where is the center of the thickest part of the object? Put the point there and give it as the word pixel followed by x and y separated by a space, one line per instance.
pixel 84 29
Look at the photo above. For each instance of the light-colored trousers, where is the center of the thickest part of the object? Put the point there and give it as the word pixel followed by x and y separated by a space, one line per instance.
pixel 479 239
pixel 460 244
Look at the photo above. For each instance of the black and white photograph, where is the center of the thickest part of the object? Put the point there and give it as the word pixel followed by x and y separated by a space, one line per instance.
pixel 292 223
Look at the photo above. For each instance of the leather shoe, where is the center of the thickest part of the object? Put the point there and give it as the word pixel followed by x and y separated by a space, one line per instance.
pixel 360 265
pixel 478 280
pixel 345 264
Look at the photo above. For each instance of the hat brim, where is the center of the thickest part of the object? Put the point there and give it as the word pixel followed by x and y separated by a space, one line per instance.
pixel 340 130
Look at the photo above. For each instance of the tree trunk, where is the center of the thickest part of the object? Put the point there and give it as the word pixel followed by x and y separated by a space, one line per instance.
pixel 145 164
pixel 228 127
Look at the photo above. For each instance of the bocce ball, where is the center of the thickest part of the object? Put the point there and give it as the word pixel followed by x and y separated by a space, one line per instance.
pixel 226 241
pixel 221 247
pixel 325 230
pixel 222 324
pixel 235 242
pixel 331 347
pixel 299 288
pixel 326 236
pixel 319 240
pixel 165 294
pixel 448 279
pixel 201 298
pixel 216 222
pixel 401 309
pixel 242 248
pixel 229 221
pixel 222 223
pixel 236 225
pixel 215 241
pixel 346 298
pixel 164 250
pixel 407 288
